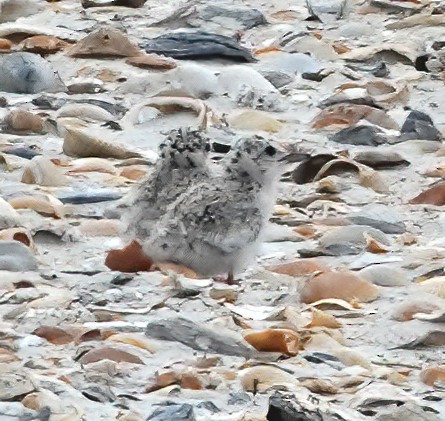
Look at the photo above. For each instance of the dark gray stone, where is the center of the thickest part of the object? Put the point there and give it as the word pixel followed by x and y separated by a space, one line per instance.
pixel 380 217
pixel 179 329
pixel 381 159
pixel 16 257
pixel 277 78
pixel 248 18
pixel 90 197
pixel 175 412
pixel 197 45
pixel 360 135
pixel 419 125
pixel 377 70
pixel 26 73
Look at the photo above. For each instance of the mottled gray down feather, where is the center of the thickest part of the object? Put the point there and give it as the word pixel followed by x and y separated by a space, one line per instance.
pixel 215 225
pixel 182 162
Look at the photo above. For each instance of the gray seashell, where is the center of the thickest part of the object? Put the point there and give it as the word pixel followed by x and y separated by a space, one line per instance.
pixel 350 239
pixel 380 217
pixel 26 73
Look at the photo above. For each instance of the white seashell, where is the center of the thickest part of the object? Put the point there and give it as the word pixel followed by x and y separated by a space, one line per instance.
pixel 435 286
pixel 42 171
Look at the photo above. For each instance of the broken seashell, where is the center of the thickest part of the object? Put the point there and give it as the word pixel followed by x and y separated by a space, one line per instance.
pixel 134 339
pixel 91 165
pixel 435 286
pixel 435 195
pixel 18 234
pixel 134 172
pixel 254 120
pixel 46 205
pixel 285 341
pixel 86 112
pixel 24 121
pixel 299 267
pixel 108 353
pixel 166 267
pixel 374 246
pixel 100 228
pixel 151 61
pixel 322 319
pixel 349 114
pixel 262 377
pixel 42 171
pixel 129 259
pixel 43 44
pixel 171 104
pixel 104 42
pixel 78 143
pixel 431 375
pixel 343 285
pixel 54 334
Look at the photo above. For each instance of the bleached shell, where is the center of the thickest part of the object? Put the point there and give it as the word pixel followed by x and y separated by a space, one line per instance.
pixel 435 286
pixel 86 112
pixel 41 170
pixel 78 143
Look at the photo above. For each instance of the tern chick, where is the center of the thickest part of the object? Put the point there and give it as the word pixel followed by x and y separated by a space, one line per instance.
pixel 215 226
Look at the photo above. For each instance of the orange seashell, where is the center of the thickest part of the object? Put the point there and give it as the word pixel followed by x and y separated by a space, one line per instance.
pixel 300 267
pixel 431 375
pixel 343 285
pixel 133 172
pixel 190 381
pixel 43 44
pixel 285 341
pixel 5 44
pixel 22 121
pixel 151 61
pixel 267 50
pixel 306 231
pixel 340 48
pixel 322 319
pixel 433 196
pixel 55 335
pixel 129 259
pixel 373 246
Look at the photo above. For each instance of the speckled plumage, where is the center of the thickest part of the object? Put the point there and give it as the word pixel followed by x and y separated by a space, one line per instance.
pixel 215 226
pixel 183 161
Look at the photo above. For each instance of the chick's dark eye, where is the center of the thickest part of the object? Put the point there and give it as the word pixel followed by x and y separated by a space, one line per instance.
pixel 270 150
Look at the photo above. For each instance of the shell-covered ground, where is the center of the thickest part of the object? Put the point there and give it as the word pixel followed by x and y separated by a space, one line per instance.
pixel 342 317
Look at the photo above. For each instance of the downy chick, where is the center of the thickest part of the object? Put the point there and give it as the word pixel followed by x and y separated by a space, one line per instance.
pixel 215 226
